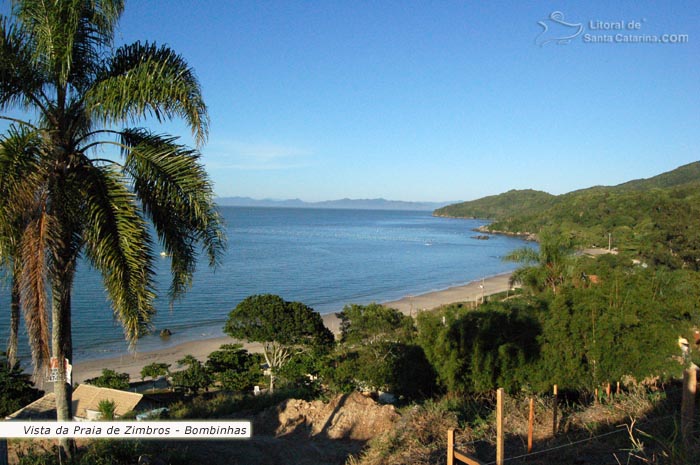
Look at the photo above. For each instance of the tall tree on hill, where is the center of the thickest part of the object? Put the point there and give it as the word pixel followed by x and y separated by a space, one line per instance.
pixel 58 65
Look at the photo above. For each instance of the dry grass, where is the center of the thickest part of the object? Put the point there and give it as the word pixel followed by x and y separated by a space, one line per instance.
pixel 634 427
pixel 419 438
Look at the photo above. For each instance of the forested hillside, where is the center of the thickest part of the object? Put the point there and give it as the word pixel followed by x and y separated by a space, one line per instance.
pixel 501 205
pixel 656 218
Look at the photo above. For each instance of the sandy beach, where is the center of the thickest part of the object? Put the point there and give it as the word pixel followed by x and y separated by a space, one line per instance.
pixel 410 305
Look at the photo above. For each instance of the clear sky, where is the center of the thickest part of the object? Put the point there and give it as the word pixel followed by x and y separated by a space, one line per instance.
pixel 424 100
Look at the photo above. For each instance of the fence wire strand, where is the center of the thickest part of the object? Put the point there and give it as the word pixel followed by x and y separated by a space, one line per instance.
pixel 562 446
pixel 580 441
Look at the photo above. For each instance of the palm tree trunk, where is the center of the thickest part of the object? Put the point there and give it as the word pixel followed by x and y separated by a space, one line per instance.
pixel 62 348
pixel 14 323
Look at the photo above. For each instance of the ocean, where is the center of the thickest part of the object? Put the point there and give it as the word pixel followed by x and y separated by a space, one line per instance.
pixel 323 258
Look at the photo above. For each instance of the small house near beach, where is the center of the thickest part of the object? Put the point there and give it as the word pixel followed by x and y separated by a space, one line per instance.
pixel 86 399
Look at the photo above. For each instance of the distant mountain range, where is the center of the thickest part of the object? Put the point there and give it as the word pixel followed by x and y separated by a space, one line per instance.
pixel 348 204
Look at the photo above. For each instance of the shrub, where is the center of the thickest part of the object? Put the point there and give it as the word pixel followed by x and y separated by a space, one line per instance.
pixel 16 388
pixel 110 379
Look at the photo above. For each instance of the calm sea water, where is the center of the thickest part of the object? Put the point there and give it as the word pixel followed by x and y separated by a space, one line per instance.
pixel 324 258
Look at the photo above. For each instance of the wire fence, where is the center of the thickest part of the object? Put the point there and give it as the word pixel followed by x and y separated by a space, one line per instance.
pixel 687 420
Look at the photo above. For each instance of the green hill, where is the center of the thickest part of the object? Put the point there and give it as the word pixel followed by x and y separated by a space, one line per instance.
pixel 657 218
pixel 500 206
pixel 684 175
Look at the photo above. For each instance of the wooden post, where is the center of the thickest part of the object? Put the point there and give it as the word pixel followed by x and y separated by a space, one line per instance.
pixel 451 446
pixel 688 404
pixel 454 455
pixel 554 411
pixel 595 400
pixel 617 391
pixel 500 448
pixel 530 424
pixel 607 391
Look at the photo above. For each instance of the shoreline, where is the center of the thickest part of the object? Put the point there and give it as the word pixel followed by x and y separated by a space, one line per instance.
pixel 132 363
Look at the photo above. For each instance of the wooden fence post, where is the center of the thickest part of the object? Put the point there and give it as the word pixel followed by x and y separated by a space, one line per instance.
pixel 451 446
pixel 688 404
pixel 554 411
pixel 530 424
pixel 500 447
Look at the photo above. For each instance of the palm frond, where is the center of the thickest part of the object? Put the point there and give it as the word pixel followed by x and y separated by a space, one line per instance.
pixel 145 80
pixel 94 32
pixel 36 239
pixel 117 243
pixel 526 255
pixel 67 35
pixel 20 83
pixel 19 150
pixel 177 197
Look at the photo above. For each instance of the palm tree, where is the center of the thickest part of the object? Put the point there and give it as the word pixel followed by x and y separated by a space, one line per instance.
pixel 546 267
pixel 75 197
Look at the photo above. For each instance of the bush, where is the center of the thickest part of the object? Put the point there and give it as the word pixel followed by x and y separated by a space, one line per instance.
pixel 106 409
pixel 377 353
pixel 110 379
pixel 193 378
pixel 482 350
pixel 16 388
pixel 234 367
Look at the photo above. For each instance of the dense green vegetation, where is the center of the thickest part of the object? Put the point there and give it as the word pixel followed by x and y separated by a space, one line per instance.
pixel 656 219
pixel 154 371
pixel 16 389
pixel 110 379
pixel 234 368
pixel 378 351
pixel 500 206
pixel 288 331
pixel 625 327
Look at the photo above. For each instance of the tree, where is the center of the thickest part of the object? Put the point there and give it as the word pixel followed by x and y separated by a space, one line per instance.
pixel 373 323
pixel 155 370
pixel 57 62
pixel 377 352
pixel 283 328
pixel 234 367
pixel 626 325
pixel 110 379
pixel 16 389
pixel 193 378
pixel 546 268
pixel 478 351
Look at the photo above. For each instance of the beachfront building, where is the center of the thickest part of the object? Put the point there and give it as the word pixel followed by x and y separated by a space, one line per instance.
pixel 86 400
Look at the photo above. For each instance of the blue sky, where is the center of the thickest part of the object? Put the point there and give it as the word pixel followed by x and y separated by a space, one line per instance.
pixel 450 100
